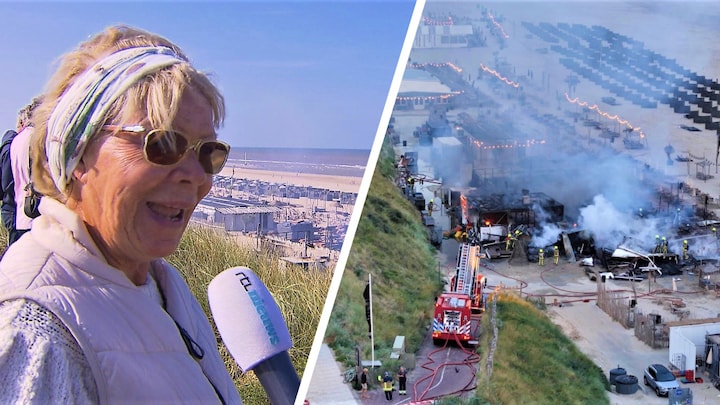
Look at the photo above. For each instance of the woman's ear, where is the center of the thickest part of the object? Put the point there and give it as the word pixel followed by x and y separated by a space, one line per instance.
pixel 80 173
pixel 79 178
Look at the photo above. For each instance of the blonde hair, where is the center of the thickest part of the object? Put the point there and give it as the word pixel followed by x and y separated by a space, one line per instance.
pixel 157 95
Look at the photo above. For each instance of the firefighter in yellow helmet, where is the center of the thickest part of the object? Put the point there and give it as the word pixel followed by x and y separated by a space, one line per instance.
pixel 464 234
pixel 458 233
pixel 387 384
pixel 541 257
pixel 411 183
pixel 685 249
pixel 556 254
pixel 508 241
pixel 664 245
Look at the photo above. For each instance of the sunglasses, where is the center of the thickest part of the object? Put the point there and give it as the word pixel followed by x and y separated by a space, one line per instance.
pixel 166 148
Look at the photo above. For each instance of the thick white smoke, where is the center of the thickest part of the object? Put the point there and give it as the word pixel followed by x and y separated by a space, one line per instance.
pixel 547 232
pixel 607 225
pixel 611 227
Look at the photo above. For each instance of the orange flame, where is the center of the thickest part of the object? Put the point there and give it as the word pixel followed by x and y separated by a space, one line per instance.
pixel 496 74
pixel 464 209
pixel 595 107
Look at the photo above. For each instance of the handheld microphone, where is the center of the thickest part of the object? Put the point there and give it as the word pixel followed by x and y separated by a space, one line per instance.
pixel 253 329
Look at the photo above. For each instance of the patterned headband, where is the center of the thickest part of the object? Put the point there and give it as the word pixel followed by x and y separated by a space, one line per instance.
pixel 81 110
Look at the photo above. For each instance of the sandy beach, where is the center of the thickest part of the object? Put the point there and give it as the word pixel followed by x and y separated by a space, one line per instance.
pixel 346 184
pixel 575 165
pixel 322 213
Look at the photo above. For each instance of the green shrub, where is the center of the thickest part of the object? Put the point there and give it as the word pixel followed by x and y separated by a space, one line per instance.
pixel 205 252
pixel 534 361
pixel 391 244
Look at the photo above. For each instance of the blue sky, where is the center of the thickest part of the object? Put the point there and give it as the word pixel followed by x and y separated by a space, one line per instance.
pixel 294 74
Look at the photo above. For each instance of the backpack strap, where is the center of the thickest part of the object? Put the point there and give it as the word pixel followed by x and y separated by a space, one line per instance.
pixel 31 204
pixel 7 182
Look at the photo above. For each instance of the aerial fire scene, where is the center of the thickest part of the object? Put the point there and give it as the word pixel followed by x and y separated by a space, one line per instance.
pixel 572 159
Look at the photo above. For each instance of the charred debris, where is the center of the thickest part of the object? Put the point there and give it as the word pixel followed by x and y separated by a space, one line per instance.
pixel 516 227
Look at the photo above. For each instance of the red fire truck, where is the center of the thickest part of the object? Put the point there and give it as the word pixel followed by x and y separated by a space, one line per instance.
pixel 457 311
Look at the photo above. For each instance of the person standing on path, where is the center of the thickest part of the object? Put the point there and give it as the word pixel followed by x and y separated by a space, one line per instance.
pixel 387 382
pixel 402 380
pixel 364 384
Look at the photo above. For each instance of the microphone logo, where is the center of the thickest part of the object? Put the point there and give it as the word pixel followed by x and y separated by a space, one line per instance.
pixel 259 304
pixel 244 280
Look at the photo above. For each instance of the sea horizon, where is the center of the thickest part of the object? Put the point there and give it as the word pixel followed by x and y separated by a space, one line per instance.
pixel 329 161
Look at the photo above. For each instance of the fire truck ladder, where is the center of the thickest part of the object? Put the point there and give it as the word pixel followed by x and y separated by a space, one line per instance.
pixel 464 273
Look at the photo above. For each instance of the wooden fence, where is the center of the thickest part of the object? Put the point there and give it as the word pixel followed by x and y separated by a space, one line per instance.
pixel 649 329
pixel 618 305
pixel 621 307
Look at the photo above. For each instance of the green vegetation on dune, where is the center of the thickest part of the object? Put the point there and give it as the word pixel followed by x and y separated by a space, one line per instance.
pixel 535 362
pixel 391 244
pixel 205 252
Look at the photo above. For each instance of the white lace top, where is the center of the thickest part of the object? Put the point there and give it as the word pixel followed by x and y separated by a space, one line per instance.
pixel 40 360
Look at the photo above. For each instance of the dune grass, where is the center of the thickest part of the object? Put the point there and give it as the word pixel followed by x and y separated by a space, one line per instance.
pixel 534 361
pixel 300 294
pixel 205 252
pixel 392 244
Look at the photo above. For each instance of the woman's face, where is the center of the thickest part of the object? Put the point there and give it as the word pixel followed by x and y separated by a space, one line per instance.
pixel 136 211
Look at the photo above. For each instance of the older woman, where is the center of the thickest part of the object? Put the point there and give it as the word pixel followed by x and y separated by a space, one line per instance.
pixel 124 149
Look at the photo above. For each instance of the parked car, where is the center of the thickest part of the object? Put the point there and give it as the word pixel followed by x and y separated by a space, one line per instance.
pixel 419 201
pixel 659 378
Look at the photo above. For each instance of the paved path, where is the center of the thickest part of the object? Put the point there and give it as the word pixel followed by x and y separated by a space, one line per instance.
pixel 327 385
